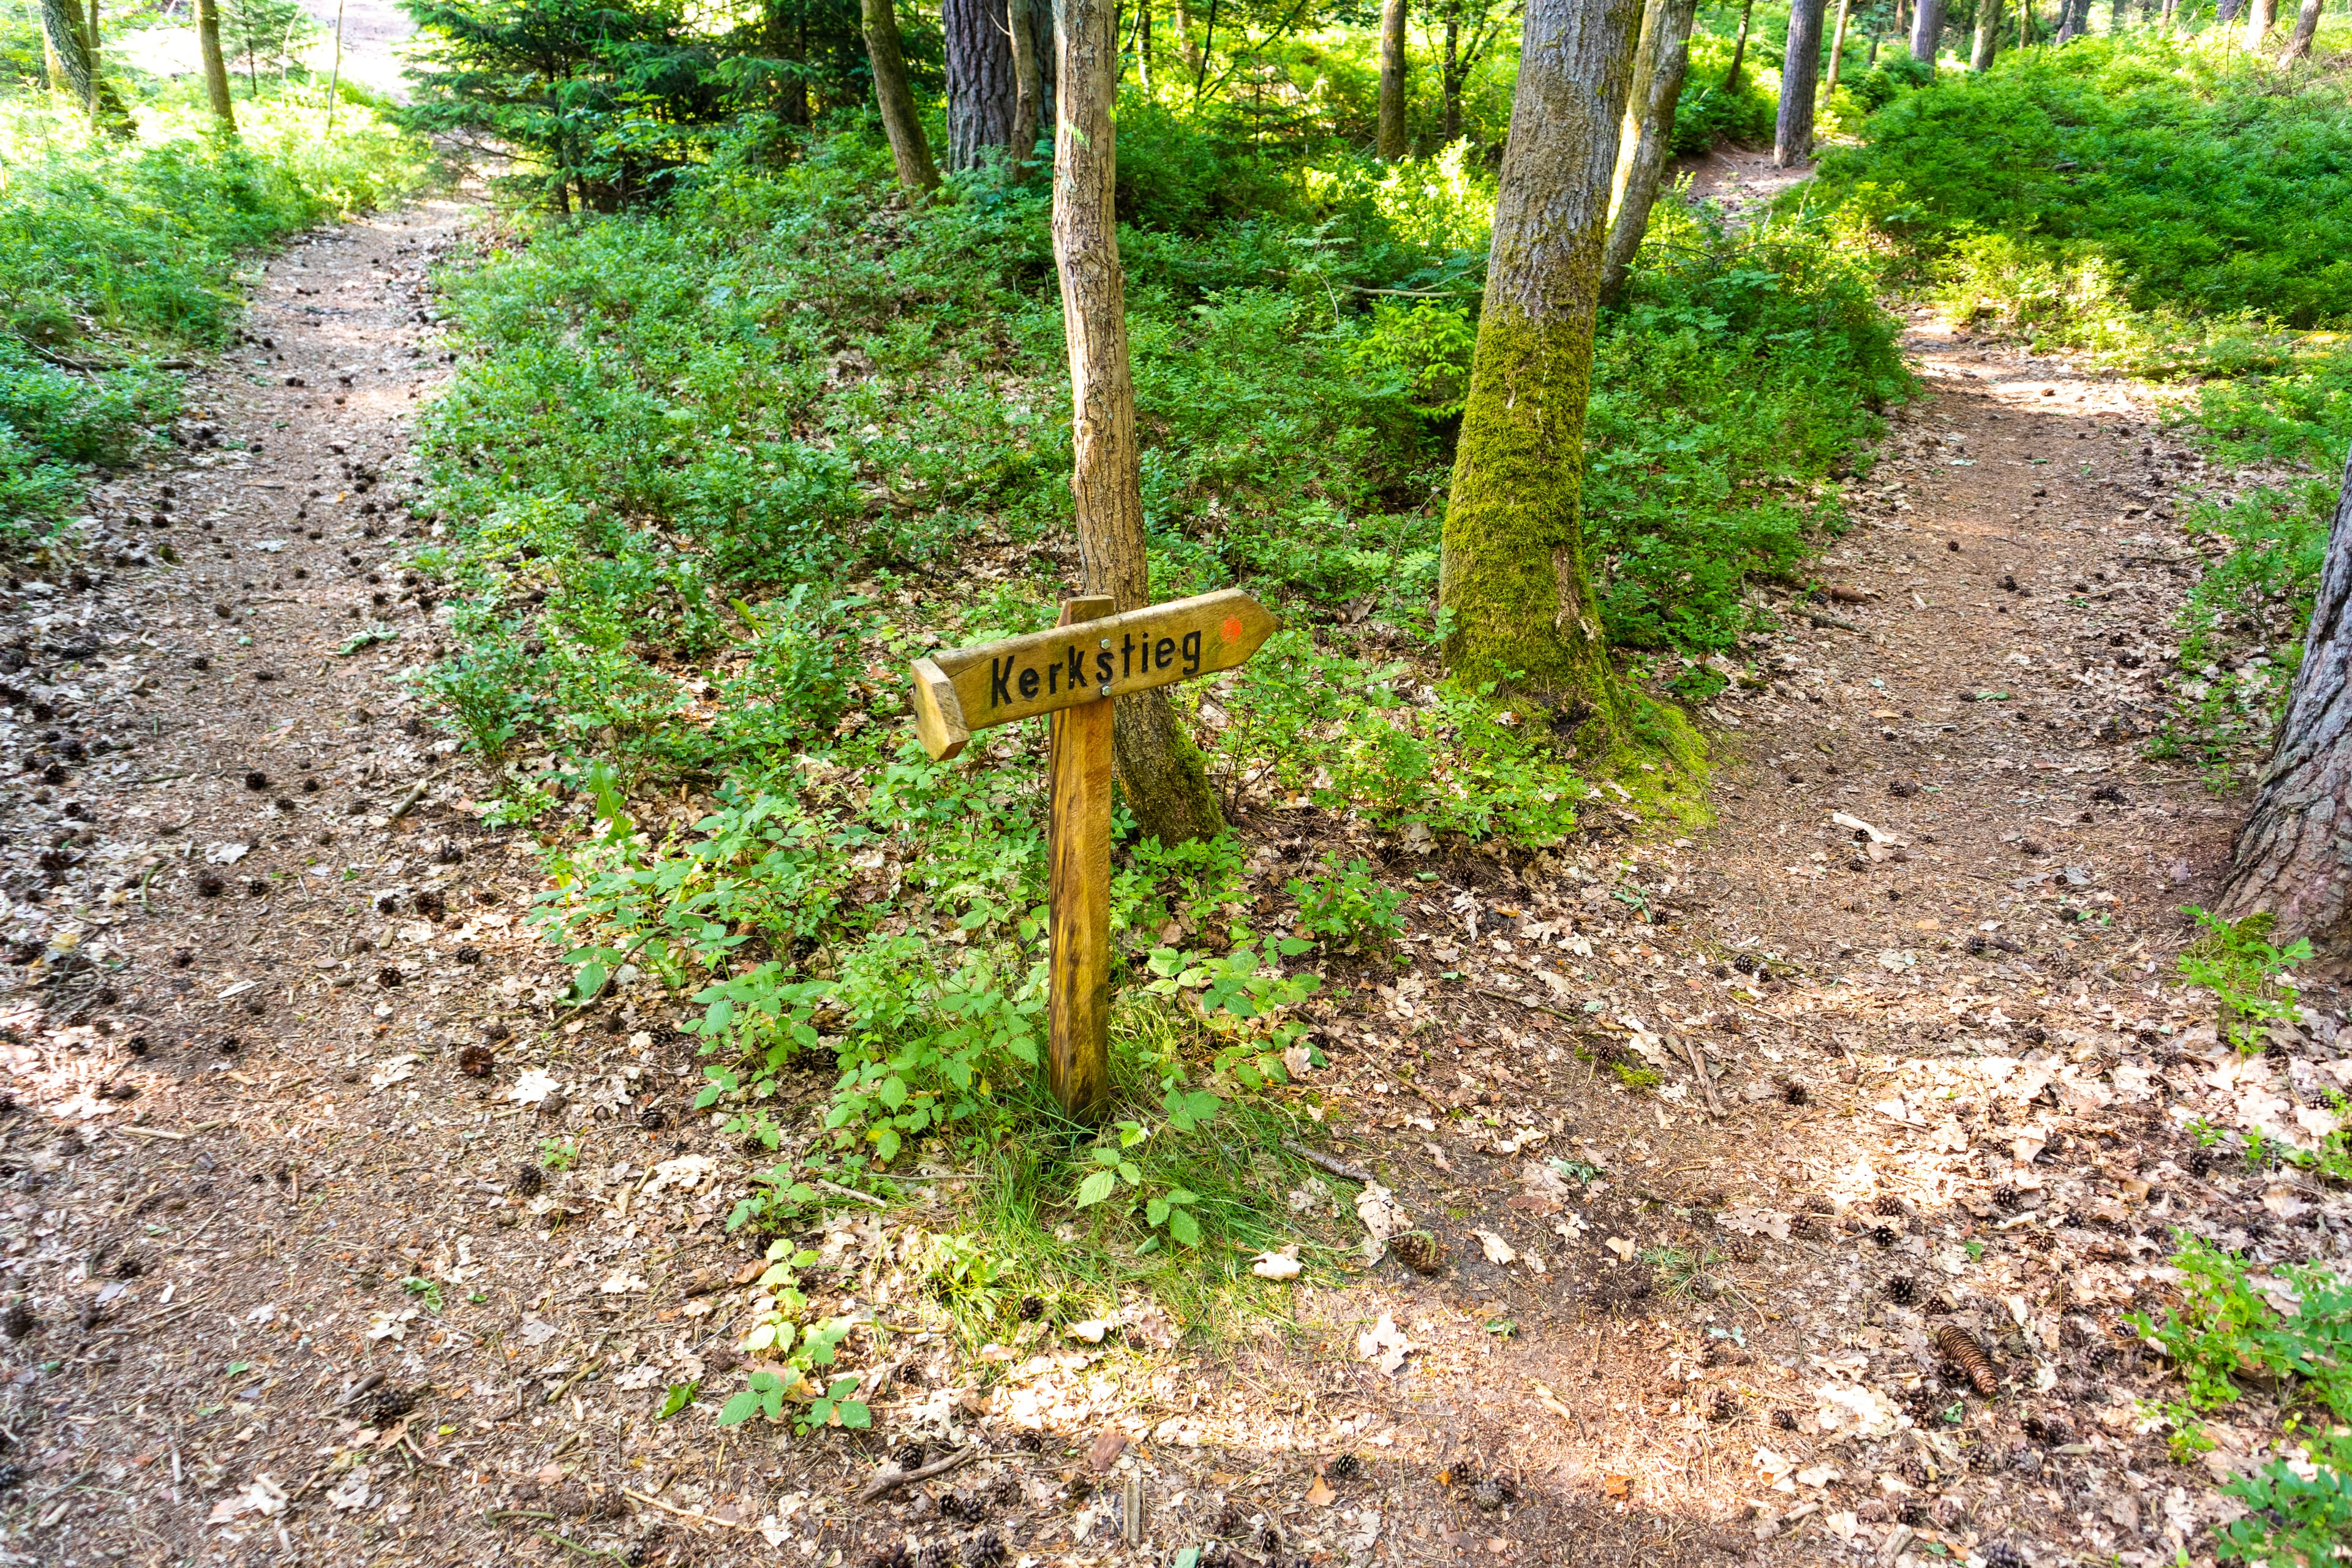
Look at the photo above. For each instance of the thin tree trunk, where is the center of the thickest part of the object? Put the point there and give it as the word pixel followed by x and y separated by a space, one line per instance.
pixel 2226 13
pixel 1186 49
pixel 1876 40
pixel 2072 15
pixel 1449 76
pixel 2164 27
pixel 1837 49
pixel 1988 45
pixel 2293 857
pixel 335 78
pixel 208 45
pixel 1739 49
pixel 1166 787
pixel 1511 577
pixel 909 150
pixel 1801 70
pixel 2262 16
pixel 1391 125
pixel 97 69
pixel 1024 85
pixel 1661 59
pixel 1143 45
pixel 1927 31
pixel 2306 24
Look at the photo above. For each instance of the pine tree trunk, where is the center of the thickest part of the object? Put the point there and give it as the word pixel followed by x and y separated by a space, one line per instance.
pixel 1988 45
pixel 1391 125
pixel 2226 13
pixel 2306 24
pixel 1660 59
pixel 2073 16
pixel 1739 49
pixel 909 150
pixel 1143 45
pixel 1511 578
pixel 1801 70
pixel 1927 30
pixel 2293 857
pixel 63 25
pixel 982 90
pixel 208 45
pixel 1166 787
pixel 2262 16
pixel 1449 80
pixel 1837 49
pixel 1187 51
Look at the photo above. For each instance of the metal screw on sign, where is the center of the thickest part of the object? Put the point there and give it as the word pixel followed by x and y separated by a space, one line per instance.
pixel 1072 673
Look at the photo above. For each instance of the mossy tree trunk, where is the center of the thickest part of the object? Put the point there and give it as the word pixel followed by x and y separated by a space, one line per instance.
pixel 1660 59
pixel 911 152
pixel 1018 21
pixel 1512 577
pixel 2293 857
pixel 1987 41
pixel 1391 138
pixel 1166 787
pixel 1801 73
pixel 208 45
pixel 1739 49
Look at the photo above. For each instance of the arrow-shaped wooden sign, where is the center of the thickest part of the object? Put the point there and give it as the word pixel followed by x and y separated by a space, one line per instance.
pixel 964 689
pixel 1068 672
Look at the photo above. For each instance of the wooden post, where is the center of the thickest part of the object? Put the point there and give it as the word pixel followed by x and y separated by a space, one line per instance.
pixel 1077 1060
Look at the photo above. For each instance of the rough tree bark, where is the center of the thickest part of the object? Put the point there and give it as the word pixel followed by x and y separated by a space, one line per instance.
pixel 1166 786
pixel 1988 44
pixel 1837 49
pixel 1927 30
pixel 2226 13
pixel 1511 577
pixel 2073 17
pixel 2293 857
pixel 2262 16
pixel 1391 125
pixel 2306 24
pixel 1660 59
pixel 909 150
pixel 983 90
pixel 208 45
pixel 62 25
pixel 1801 70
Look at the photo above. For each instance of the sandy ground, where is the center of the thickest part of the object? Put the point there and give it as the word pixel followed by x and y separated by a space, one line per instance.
pixel 300 1282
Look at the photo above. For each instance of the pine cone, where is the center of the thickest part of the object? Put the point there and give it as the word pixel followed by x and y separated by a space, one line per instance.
pixel 2200 1162
pixel 1903 1289
pixel 1032 1309
pixel 1961 1348
pixel 1888 1204
pixel 1722 1405
pixel 528 1181
pixel 890 1554
pixel 982 1549
pixel 2006 1197
pixel 907 1455
pixel 1792 1091
pixel 477 1061
pixel 1786 1420
pixel 1913 1512
pixel 2000 1555
pixel 383 1405
pixel 1419 1251
pixel 1343 1468
pixel 1489 1495
pixel 1884 1234
pixel 934 1554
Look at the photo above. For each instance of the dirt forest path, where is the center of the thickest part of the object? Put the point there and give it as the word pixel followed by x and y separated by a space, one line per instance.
pixel 290 1276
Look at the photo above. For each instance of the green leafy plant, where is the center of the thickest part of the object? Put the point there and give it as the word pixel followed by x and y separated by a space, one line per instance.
pixel 2223 1326
pixel 557 1153
pixel 2237 963
pixel 2299 1506
pixel 427 1291
pixel 781 1332
pixel 1347 904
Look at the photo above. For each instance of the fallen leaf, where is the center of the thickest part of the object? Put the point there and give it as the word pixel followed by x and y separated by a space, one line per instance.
pixel 1617 1486
pixel 1497 1250
pixel 1623 1248
pixel 1319 1495
pixel 1109 1445
pixel 1093 1329
pixel 1274 1265
pixel 1383 1344
pixel 531 1087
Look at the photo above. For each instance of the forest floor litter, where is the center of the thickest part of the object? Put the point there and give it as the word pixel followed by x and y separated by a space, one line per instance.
pixel 332 1238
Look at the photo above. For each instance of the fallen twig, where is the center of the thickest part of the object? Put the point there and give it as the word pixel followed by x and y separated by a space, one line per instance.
pixel 890 1478
pixel 688 1513
pixel 570 1545
pixel 1332 1164
pixel 407 802
pixel 1538 1006
pixel 852 1193
pixel 1830 621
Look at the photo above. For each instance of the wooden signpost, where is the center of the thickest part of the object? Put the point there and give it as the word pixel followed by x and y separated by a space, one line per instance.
pixel 1071 673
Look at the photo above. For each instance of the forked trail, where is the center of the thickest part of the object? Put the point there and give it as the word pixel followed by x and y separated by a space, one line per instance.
pixel 283 1300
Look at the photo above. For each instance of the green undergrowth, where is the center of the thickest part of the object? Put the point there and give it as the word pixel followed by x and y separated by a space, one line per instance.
pixel 119 253
pixel 710 474
pixel 2230 1325
pixel 2176 211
